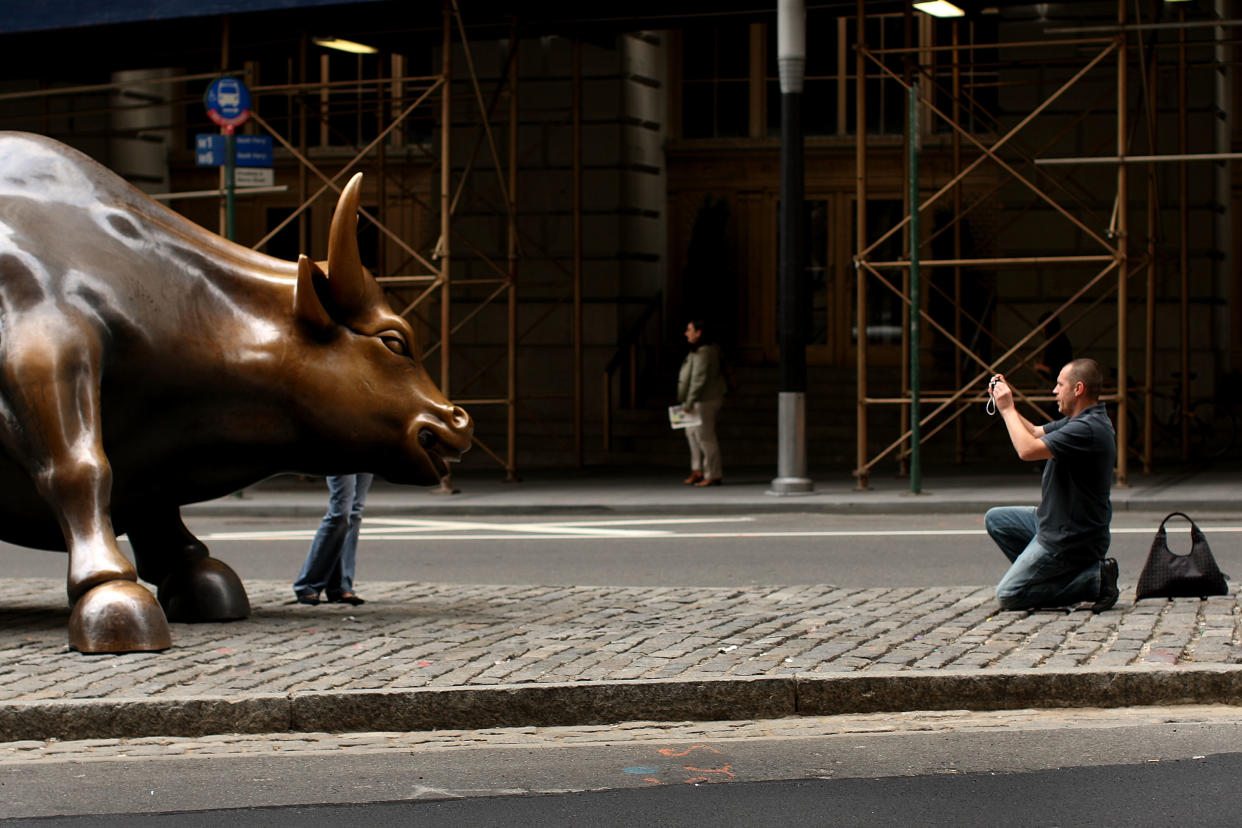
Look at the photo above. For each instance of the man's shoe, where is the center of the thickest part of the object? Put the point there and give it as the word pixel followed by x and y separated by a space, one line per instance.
pixel 695 477
pixel 311 598
pixel 346 598
pixel 1108 586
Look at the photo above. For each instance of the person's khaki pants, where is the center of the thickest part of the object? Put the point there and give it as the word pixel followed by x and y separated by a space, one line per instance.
pixel 704 447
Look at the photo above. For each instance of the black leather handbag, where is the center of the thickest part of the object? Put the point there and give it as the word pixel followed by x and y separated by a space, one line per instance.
pixel 1168 575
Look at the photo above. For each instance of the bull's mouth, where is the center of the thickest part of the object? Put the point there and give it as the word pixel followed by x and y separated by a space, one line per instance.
pixel 438 452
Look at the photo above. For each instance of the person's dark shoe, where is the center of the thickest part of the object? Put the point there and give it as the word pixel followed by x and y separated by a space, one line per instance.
pixel 708 481
pixel 311 598
pixel 1108 586
pixel 346 598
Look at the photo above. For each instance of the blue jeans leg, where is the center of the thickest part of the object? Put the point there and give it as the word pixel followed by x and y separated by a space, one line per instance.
pixel 349 547
pixel 1038 577
pixel 1012 527
pixel 323 567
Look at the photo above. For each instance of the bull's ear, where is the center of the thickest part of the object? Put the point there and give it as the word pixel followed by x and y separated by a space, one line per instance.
pixel 307 307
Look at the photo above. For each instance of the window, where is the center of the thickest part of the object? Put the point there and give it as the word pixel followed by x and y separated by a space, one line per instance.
pixel 725 73
pixel 348 115
pixel 979 74
pixel 816 212
pixel 716 81
pixel 885 310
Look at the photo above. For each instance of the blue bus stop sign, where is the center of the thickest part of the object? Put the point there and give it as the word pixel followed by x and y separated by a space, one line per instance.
pixel 228 103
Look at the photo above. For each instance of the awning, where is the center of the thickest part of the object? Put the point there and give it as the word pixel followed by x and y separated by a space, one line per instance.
pixel 44 15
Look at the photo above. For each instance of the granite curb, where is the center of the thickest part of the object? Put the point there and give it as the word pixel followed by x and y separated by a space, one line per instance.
pixel 606 702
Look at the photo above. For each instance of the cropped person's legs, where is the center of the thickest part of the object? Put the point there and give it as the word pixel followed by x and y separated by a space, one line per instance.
pixel 323 558
pixel 696 449
pixel 344 584
pixel 1038 577
pixel 1043 578
pixel 713 468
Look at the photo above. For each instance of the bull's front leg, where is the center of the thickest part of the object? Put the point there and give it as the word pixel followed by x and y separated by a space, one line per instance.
pixel 193 586
pixel 54 426
pixel 112 612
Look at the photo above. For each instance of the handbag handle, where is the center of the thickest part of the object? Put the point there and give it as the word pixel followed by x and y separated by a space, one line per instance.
pixel 1195 532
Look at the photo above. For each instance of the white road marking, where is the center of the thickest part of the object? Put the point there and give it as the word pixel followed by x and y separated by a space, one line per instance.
pixel 626 522
pixel 477 530
pixel 403 528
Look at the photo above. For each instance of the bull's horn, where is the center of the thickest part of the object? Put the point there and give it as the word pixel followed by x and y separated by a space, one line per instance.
pixel 345 276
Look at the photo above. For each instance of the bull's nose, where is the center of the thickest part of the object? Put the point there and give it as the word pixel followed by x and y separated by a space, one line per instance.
pixel 459 419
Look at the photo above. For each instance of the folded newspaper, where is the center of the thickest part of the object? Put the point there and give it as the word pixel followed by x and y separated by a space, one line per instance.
pixel 678 417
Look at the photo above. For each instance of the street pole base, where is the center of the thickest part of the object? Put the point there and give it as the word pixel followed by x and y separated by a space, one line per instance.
pixel 783 486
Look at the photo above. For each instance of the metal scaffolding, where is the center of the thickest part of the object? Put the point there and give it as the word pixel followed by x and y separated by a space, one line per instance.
pixel 444 280
pixel 440 279
pixel 1108 250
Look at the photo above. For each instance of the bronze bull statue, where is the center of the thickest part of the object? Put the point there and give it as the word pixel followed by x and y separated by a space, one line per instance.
pixel 146 363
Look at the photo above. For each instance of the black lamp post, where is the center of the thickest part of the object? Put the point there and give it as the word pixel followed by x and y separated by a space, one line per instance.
pixel 794 318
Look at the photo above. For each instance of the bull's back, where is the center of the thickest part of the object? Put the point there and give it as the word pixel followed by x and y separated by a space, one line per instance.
pixel 69 207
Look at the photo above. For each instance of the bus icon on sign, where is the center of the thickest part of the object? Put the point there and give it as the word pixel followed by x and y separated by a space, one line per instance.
pixel 228 102
pixel 228 94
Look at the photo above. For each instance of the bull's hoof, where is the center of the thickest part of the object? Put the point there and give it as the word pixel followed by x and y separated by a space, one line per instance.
pixel 118 617
pixel 205 590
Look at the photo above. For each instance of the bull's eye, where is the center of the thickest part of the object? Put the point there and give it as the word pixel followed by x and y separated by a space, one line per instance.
pixel 395 343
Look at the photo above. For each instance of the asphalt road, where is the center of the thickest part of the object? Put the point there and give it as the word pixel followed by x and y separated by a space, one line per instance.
pixel 850 551
pixel 1158 766
pixel 1134 796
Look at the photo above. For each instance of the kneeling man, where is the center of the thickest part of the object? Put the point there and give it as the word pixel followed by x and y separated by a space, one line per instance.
pixel 1058 549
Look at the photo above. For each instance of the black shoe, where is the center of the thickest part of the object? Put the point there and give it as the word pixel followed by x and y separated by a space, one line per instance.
pixel 311 598
pixel 346 598
pixel 1108 586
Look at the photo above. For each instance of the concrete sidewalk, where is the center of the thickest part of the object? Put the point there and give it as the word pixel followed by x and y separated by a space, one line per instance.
pixel 659 491
pixel 420 656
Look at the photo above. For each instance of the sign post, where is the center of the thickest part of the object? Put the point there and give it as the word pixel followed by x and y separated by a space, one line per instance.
pixel 228 105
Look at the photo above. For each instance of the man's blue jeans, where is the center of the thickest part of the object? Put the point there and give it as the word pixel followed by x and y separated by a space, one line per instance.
pixel 330 563
pixel 1039 577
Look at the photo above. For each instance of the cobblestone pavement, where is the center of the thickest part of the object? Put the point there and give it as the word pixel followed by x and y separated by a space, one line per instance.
pixel 418 635
pixel 609 653
pixel 412 634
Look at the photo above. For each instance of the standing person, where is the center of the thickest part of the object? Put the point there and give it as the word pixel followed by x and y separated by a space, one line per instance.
pixel 701 389
pixel 1057 550
pixel 329 565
